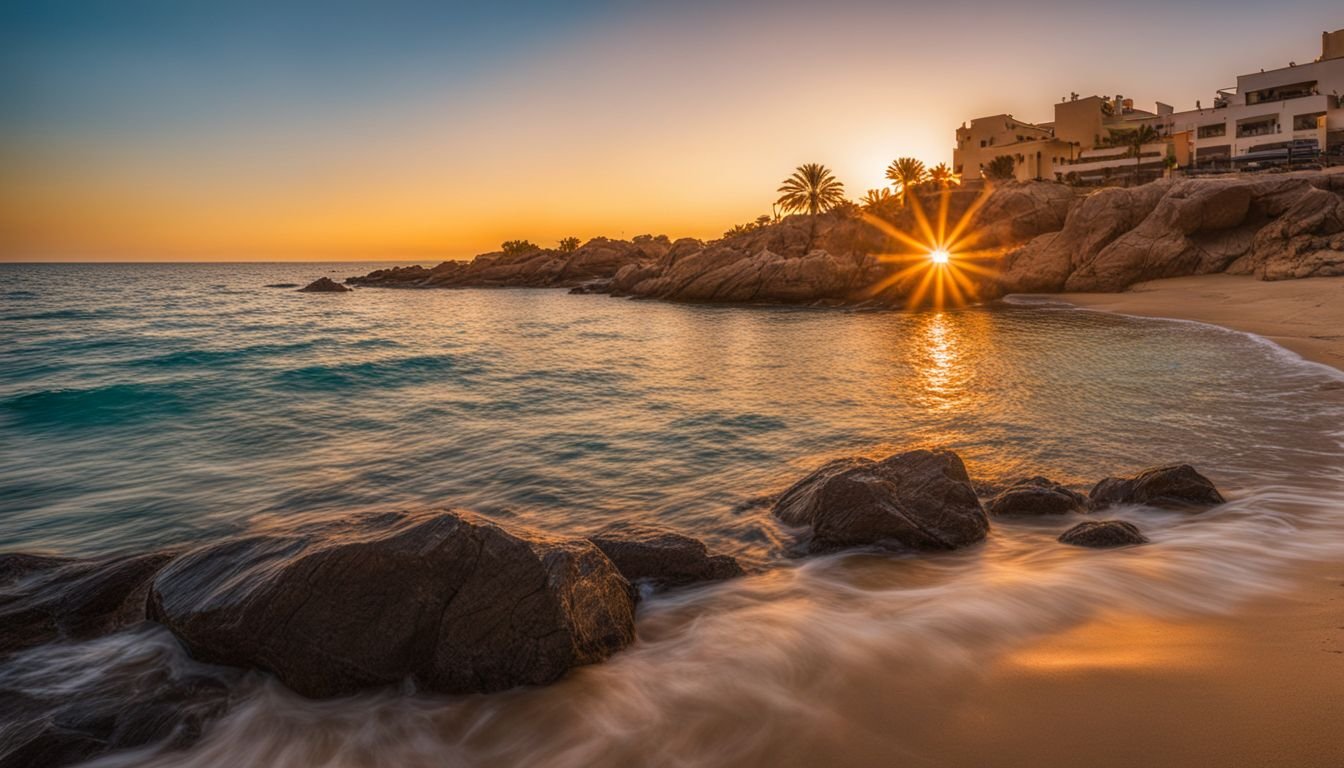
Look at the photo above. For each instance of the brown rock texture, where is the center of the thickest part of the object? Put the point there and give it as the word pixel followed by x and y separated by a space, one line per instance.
pixel 918 500
pixel 1274 226
pixel 663 558
pixel 447 599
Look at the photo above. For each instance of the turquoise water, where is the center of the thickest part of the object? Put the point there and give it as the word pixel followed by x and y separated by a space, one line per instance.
pixel 143 405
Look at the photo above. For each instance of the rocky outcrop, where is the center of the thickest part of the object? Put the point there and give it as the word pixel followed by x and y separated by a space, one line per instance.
pixel 1175 486
pixel 1036 496
pixel 1273 226
pixel 446 599
pixel 1103 534
pixel 917 500
pixel 661 558
pixel 44 599
pixel 323 285
pixel 597 259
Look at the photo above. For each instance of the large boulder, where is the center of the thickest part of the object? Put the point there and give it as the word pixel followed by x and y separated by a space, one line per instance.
pixel 1036 496
pixel 660 557
pixel 446 599
pixel 1175 486
pixel 44 599
pixel 919 499
pixel 1103 534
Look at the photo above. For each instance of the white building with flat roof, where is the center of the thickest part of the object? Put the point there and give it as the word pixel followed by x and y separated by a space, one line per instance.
pixel 1291 112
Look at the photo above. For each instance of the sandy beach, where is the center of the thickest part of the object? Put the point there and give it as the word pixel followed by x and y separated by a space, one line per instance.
pixel 1259 687
pixel 1306 316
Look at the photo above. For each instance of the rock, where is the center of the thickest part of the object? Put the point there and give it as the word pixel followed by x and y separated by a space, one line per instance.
pixel 447 599
pixel 1282 226
pixel 598 259
pixel 1173 486
pixel 592 286
pixel 663 558
pixel 46 599
pixel 1036 496
pixel 919 500
pixel 66 704
pixel 323 285
pixel 281 285
pixel 1103 534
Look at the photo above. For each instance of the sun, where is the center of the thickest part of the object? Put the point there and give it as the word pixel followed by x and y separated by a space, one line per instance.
pixel 926 273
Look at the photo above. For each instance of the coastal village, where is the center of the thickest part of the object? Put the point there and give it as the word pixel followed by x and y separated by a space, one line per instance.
pixel 1286 115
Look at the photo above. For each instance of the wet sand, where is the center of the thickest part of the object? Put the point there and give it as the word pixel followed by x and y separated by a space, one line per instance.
pixel 1261 687
pixel 1306 316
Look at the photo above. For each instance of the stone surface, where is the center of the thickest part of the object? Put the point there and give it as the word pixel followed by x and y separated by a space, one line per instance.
pixel 323 285
pixel 45 599
pixel 1036 496
pixel 1103 534
pixel 447 599
pixel 1274 226
pixel 653 554
pixel 919 500
pixel 67 703
pixel 1175 486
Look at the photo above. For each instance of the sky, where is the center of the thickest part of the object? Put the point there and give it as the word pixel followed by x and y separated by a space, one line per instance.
pixel 178 131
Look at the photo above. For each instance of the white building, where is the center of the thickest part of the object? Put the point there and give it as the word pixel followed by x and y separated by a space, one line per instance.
pixel 1296 110
pixel 1269 113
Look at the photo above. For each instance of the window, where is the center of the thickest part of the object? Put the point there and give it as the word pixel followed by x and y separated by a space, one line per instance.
pixel 1211 131
pixel 1306 122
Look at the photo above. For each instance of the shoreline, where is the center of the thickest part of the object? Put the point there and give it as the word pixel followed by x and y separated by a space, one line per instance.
pixel 1255 686
pixel 1304 316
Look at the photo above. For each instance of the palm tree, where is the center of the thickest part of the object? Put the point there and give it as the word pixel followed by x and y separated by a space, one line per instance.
pixel 941 176
pixel 812 189
pixel 907 173
pixel 875 198
pixel 1135 139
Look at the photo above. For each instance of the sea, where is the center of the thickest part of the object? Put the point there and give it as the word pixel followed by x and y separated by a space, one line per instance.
pixel 149 405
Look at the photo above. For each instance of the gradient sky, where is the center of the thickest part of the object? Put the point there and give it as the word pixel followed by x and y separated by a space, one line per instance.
pixel 172 130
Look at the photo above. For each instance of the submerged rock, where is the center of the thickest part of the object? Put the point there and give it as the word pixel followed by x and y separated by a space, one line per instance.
pixel 281 285
pixel 67 703
pixel 44 599
pixel 919 499
pixel 323 285
pixel 663 558
pixel 1102 534
pixel 1176 486
pixel 1036 496
pixel 447 599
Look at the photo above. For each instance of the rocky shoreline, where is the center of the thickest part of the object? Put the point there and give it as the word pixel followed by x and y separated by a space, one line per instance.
pixel 450 602
pixel 1038 237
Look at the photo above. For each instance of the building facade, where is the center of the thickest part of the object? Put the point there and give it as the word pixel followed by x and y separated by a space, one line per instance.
pixel 1270 116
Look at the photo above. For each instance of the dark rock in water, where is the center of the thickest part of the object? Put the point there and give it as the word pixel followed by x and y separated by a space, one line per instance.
pixel 1102 534
pixel 1173 486
pixel 447 599
pixel 592 286
pixel 661 557
pixel 47 599
pixel 919 499
pixel 14 565
pixel 281 285
pixel 323 285
pixel 1036 496
pixel 67 703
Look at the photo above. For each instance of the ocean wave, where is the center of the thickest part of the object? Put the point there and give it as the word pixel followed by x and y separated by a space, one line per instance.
pixel 392 372
pixel 98 406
